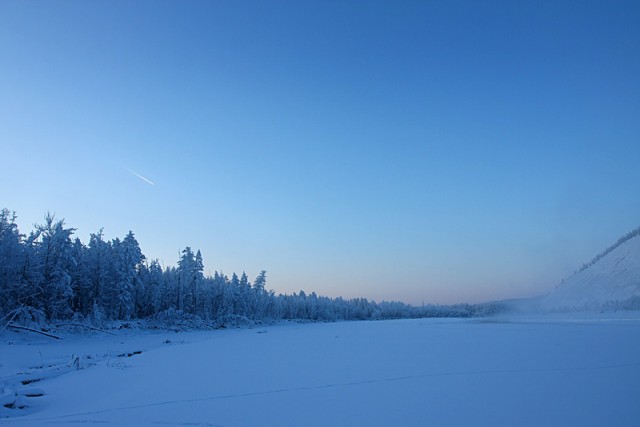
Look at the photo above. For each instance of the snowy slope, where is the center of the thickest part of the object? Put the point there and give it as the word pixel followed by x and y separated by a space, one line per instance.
pixel 610 279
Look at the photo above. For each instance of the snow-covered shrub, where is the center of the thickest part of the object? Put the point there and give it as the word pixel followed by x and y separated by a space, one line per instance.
pixel 172 318
pixel 29 317
pixel 97 317
pixel 233 321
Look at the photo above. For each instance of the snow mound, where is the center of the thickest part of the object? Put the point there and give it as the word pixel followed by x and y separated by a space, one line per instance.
pixel 610 280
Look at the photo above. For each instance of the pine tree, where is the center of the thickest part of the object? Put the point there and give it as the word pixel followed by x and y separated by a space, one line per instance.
pixel 11 259
pixel 259 295
pixel 80 279
pixel 54 253
pixel 130 259
pixel 98 267
pixel 186 287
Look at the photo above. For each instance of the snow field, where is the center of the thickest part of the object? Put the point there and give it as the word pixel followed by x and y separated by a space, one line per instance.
pixel 522 372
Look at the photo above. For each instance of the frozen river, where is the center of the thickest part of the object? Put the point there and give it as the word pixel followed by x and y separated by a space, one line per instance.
pixel 572 370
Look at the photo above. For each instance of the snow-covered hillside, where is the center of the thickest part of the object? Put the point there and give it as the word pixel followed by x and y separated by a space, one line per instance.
pixel 612 279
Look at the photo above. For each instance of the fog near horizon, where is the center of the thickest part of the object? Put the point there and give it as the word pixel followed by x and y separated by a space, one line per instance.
pixel 415 152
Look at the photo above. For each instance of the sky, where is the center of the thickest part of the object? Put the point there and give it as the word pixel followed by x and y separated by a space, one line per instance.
pixel 428 151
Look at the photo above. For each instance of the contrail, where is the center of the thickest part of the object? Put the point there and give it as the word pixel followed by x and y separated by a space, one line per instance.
pixel 140 176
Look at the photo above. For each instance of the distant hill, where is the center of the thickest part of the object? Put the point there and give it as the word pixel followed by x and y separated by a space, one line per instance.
pixel 609 281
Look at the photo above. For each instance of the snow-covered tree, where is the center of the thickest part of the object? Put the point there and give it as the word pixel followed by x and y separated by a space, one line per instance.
pixel 98 260
pixel 190 269
pixel 11 261
pixel 47 272
pixel 130 260
pixel 82 301
pixel 53 249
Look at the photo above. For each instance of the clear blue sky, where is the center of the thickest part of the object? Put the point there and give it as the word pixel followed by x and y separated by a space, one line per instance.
pixel 437 151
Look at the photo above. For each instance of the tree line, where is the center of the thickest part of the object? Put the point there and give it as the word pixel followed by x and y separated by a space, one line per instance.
pixel 57 276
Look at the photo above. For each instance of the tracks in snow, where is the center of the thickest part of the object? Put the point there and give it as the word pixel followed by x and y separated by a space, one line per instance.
pixel 58 418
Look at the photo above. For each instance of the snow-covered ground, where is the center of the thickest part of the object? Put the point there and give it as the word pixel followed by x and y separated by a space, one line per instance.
pixel 563 370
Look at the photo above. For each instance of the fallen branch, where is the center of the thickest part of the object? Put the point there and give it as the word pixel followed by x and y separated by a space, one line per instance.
pixel 84 326
pixel 36 331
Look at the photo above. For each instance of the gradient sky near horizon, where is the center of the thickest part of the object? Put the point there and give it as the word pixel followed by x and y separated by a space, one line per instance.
pixel 436 151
